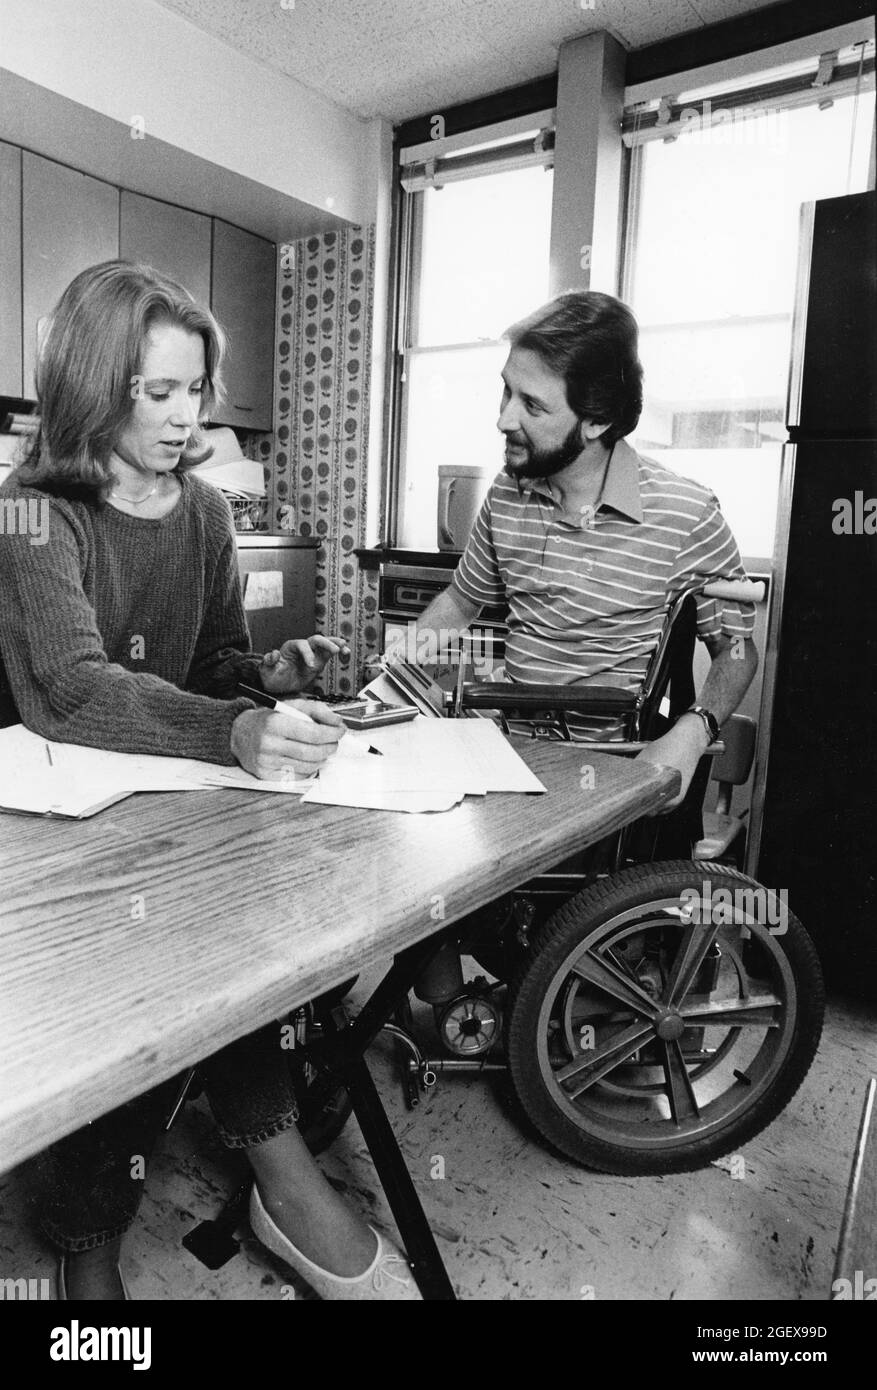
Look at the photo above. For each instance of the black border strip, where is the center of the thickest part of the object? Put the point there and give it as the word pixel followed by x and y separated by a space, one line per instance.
pixel 732 38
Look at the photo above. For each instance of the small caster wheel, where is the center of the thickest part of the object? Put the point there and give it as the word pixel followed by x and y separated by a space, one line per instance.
pixel 469 1025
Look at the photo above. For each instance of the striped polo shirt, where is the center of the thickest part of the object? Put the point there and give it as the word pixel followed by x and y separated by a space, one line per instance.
pixel 587 595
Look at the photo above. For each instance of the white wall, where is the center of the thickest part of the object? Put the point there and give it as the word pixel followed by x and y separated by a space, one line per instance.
pixel 382 136
pixel 131 58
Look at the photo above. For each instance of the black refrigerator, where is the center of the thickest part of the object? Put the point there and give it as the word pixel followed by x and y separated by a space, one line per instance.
pixel 815 811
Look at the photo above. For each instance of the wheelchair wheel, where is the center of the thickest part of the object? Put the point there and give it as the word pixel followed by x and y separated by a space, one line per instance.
pixel 664 1017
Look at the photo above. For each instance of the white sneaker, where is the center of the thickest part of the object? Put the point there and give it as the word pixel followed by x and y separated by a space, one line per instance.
pixel 61 1290
pixel 388 1276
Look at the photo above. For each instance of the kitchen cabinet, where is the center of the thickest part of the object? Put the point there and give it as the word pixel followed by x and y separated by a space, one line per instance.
pixel 244 274
pixel 173 240
pixel 10 271
pixel 57 221
pixel 69 221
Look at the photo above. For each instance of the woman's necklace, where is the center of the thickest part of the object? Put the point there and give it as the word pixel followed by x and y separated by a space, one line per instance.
pixel 136 501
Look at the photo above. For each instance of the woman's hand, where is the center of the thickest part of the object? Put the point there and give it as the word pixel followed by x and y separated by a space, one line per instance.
pixel 298 663
pixel 272 745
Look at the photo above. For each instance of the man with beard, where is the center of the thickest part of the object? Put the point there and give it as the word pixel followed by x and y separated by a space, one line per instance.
pixel 586 540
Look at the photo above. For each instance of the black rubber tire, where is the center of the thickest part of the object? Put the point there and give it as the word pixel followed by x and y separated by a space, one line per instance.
pixel 561 939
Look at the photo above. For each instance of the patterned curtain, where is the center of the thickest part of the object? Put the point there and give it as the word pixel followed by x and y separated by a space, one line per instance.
pixel 317 481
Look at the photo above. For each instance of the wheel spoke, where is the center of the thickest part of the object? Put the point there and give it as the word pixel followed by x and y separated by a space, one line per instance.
pixel 621 964
pixel 590 1066
pixel 696 941
pixel 680 1092
pixel 607 977
pixel 758 1011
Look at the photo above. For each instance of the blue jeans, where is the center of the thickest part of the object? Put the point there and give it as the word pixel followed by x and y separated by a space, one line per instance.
pixel 89 1192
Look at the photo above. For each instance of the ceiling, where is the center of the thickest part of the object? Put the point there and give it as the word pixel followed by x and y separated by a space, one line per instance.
pixel 403 58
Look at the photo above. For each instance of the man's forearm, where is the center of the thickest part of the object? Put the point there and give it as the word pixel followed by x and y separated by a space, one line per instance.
pixel 685 743
pixel 438 627
pixel 728 678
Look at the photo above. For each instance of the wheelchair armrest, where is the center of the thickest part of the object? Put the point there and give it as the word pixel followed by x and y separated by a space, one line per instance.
pixel 531 699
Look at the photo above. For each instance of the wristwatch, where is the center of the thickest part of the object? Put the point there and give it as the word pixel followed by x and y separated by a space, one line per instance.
pixel 710 723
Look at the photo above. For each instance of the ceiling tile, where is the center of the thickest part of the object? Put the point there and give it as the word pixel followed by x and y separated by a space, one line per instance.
pixel 402 58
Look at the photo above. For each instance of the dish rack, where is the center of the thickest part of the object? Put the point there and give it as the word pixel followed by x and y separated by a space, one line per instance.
pixel 249 515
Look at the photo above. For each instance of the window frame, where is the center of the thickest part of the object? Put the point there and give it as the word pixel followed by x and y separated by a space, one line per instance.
pixel 818 78
pixel 459 152
pixel 404 234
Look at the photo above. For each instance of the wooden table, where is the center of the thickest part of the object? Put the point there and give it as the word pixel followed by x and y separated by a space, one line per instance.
pixel 138 942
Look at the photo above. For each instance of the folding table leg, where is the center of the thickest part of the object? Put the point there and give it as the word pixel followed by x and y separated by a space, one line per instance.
pixel 341 1054
pixel 426 1262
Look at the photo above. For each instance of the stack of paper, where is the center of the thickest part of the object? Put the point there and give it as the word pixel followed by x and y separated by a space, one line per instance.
pixel 65 779
pixel 426 765
pixel 69 779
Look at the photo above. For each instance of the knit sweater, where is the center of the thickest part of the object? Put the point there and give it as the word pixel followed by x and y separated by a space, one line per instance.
pixel 124 632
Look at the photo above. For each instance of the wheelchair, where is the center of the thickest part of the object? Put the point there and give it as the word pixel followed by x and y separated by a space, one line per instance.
pixel 652 1011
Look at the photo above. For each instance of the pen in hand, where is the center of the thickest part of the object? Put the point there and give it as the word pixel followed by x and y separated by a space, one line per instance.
pixel 272 702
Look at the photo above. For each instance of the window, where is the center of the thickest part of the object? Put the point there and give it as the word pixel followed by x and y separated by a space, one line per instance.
pixel 710 274
pixel 477 260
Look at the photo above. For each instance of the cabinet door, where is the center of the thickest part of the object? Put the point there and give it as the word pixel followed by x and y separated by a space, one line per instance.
pixel 171 239
pixel 281 604
pixel 10 271
pixel 69 221
pixel 243 301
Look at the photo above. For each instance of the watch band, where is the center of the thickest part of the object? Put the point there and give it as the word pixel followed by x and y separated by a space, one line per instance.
pixel 710 722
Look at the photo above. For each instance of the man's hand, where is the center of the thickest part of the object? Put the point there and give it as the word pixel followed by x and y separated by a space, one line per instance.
pixel 298 663
pixel 726 683
pixel 681 747
pixel 272 745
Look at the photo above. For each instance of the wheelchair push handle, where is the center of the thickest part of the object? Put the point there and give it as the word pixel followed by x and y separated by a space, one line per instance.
pixel 739 590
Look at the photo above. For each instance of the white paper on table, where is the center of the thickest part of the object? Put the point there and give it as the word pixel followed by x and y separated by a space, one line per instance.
pixel 370 783
pixel 476 750
pixel 411 762
pixel 353 745
pixel 42 776
pixel 51 795
pixel 426 765
pixel 136 771
pixel 236 779
pixel 412 802
pixel 490 751
pixel 441 760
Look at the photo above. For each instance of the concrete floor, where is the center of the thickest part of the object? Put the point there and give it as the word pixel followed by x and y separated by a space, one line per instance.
pixel 514 1222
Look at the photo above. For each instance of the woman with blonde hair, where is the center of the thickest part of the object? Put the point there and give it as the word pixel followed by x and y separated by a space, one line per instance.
pixel 125 630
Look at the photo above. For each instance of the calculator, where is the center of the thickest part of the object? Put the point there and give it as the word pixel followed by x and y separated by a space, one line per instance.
pixel 371 714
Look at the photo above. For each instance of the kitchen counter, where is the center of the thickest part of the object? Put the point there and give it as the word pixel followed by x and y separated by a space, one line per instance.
pixel 279 541
pixel 371 558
